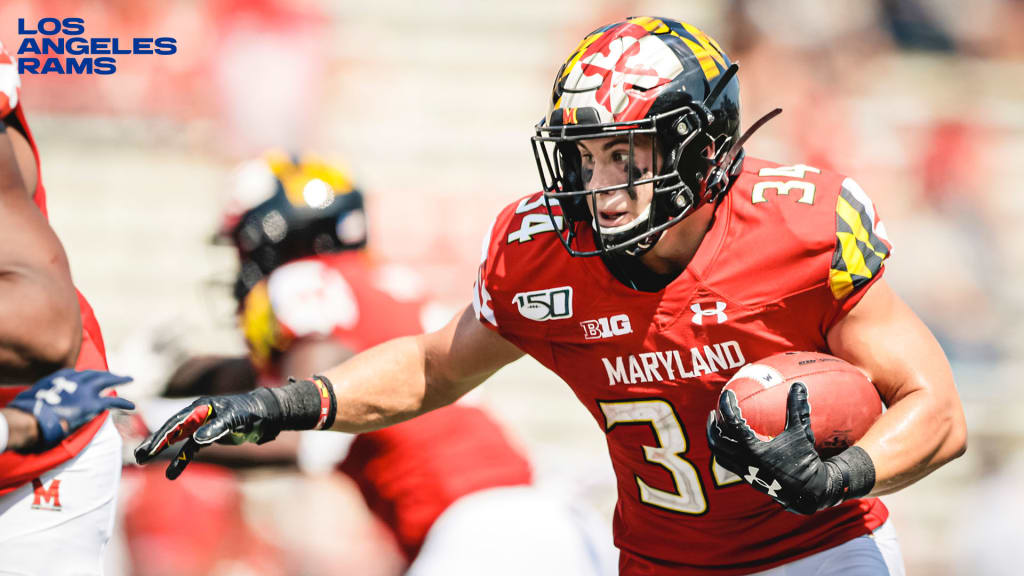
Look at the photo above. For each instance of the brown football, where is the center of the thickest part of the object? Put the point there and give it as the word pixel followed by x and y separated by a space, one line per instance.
pixel 844 403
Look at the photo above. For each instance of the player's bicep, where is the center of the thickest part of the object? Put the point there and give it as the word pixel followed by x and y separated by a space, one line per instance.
pixel 465 352
pixel 886 339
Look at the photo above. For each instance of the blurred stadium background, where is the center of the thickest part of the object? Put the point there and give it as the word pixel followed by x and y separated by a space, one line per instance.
pixel 432 104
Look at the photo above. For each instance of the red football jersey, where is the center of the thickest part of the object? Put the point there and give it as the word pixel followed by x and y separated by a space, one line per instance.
pixel 411 472
pixel 17 469
pixel 790 250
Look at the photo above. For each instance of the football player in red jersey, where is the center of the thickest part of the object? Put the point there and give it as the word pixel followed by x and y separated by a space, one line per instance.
pixel 58 449
pixel 695 261
pixel 454 491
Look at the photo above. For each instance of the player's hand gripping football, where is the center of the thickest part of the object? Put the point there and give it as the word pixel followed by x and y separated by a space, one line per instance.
pixel 66 400
pixel 787 467
pixel 231 419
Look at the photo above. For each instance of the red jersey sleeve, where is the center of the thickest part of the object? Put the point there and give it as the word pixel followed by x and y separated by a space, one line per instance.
pixel 516 289
pixel 814 238
pixel 483 304
pixel 859 252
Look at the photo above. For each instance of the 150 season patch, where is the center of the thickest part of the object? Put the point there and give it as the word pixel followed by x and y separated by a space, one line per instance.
pixel 42 51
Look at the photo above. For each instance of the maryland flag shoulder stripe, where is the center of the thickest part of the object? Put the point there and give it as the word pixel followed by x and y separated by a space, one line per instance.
pixel 861 242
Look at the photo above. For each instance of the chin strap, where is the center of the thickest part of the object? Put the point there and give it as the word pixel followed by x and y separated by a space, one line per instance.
pixel 643 247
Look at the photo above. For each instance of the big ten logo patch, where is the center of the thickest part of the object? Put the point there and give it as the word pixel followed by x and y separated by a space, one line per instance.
pixel 617 325
pixel 46 497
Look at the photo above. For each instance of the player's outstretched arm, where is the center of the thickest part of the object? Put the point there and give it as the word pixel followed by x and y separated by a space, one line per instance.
pixel 924 425
pixel 384 385
pixel 409 376
pixel 40 327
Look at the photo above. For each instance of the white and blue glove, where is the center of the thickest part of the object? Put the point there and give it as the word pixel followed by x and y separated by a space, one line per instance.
pixel 66 400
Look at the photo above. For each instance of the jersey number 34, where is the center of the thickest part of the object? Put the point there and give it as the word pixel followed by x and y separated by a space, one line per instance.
pixel 689 496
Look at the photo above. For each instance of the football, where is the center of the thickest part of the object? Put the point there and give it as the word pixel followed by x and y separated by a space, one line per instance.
pixel 844 403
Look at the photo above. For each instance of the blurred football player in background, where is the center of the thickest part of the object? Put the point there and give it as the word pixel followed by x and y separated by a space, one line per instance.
pixel 58 450
pixel 456 494
pixel 694 260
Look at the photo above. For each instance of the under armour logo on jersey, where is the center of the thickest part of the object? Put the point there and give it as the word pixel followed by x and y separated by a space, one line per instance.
pixel 700 313
pixel 770 489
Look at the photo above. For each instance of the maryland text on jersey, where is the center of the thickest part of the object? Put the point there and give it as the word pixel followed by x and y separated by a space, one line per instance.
pixel 668 365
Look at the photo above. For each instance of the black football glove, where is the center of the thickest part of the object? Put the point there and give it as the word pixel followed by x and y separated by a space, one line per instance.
pixel 256 416
pixel 233 419
pixel 787 467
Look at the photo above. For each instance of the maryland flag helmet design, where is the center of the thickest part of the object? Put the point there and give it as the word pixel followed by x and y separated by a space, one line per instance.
pixel 643 76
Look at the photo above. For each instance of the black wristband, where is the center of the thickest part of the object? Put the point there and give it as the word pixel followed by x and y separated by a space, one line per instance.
pixel 300 405
pixel 307 404
pixel 857 473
